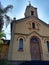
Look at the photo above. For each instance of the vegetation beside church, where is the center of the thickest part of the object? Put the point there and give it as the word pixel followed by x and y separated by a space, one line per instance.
pixel 4 18
pixel 3 15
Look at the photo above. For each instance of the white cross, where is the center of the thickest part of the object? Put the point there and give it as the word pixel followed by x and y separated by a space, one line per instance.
pixel 29 2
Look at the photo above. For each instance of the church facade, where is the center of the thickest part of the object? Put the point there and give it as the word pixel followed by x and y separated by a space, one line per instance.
pixel 29 38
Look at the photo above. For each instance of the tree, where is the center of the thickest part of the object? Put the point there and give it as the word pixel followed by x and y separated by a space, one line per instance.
pixel 1 47
pixel 2 34
pixel 3 15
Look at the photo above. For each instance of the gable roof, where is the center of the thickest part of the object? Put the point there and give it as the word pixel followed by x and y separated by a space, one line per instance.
pixel 30 17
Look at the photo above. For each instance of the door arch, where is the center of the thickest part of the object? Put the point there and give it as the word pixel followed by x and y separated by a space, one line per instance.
pixel 35 48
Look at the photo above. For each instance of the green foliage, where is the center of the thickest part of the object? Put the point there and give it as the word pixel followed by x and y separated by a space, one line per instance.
pixel 4 62
pixel 2 35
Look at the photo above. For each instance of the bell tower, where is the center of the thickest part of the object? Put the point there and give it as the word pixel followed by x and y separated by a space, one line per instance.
pixel 31 11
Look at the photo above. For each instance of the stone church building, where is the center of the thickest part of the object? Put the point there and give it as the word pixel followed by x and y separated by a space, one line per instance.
pixel 29 37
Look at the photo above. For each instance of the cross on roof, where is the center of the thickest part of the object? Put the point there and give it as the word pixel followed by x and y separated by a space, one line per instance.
pixel 29 3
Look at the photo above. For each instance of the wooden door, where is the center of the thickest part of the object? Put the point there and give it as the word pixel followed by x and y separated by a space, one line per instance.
pixel 35 50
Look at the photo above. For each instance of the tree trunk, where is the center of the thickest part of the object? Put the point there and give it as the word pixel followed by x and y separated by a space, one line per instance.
pixel 1 23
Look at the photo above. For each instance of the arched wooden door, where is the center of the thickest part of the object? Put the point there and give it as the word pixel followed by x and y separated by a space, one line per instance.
pixel 35 49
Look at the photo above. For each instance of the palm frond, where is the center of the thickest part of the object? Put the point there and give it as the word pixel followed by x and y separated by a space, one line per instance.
pixel 6 9
pixel 7 20
pixel 7 17
pixel 1 11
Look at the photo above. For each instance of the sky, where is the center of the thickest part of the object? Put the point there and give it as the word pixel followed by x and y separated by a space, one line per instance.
pixel 19 7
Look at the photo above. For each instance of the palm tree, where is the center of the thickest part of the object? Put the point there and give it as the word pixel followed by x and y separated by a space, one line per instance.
pixel 4 16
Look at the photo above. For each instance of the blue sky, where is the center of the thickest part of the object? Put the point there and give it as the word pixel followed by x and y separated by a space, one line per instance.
pixel 19 9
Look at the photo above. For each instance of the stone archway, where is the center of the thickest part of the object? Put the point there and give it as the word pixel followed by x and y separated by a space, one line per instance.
pixel 35 48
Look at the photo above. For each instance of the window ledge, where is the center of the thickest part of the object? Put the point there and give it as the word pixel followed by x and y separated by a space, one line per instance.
pixel 33 29
pixel 21 50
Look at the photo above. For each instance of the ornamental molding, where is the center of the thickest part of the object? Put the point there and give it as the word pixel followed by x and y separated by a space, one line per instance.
pixel 30 34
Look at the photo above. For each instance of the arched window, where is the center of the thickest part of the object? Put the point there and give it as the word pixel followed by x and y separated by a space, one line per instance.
pixel 21 44
pixel 34 40
pixel 33 25
pixel 32 13
pixel 48 45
